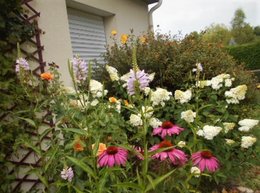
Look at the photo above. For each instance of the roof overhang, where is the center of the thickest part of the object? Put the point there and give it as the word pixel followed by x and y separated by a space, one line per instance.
pixel 150 1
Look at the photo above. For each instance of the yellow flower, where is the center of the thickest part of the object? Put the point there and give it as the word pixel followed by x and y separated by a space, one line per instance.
pixel 101 148
pixel 142 39
pixel 113 32
pixel 126 103
pixel 258 86
pixel 124 38
pixel 112 99
pixel 47 76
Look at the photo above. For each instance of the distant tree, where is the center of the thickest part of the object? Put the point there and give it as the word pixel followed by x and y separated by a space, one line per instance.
pixel 241 31
pixel 217 33
pixel 257 30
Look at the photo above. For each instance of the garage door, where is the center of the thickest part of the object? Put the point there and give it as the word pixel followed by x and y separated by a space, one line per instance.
pixel 87 35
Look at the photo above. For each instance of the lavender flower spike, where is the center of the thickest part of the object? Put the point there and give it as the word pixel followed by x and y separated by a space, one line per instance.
pixel 21 63
pixel 67 174
pixel 80 68
pixel 137 80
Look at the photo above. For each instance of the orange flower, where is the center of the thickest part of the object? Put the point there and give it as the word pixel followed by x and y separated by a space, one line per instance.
pixel 101 148
pixel 126 102
pixel 112 99
pixel 77 146
pixel 124 38
pixel 142 39
pixel 113 32
pixel 47 76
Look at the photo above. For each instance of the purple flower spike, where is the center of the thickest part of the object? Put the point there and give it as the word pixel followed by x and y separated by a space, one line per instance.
pixel 80 68
pixel 21 63
pixel 139 78
pixel 67 174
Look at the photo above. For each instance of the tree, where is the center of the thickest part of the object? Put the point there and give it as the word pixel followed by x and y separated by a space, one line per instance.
pixel 241 31
pixel 217 33
pixel 257 30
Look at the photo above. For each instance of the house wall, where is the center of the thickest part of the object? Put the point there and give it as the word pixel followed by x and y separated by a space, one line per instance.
pixel 121 15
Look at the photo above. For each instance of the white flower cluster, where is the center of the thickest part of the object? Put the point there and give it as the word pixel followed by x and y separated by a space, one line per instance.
pixel 203 83
pixel 234 95
pixel 198 67
pixel 183 97
pixel 159 96
pixel 209 132
pixel 147 111
pixel 247 124
pixel 136 120
pixel 113 73
pixel 229 141
pixel 228 126
pixel 247 141
pixel 96 88
pixel 188 116
pixel 222 79
pixel 181 144
pixel 196 171
pixel 154 122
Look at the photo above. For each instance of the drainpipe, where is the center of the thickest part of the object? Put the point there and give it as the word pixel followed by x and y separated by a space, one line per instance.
pixel 150 14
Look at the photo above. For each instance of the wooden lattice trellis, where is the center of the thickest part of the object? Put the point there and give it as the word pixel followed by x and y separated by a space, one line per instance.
pixel 35 55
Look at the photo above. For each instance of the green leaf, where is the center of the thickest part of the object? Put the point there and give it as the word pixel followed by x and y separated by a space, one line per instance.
pixel 157 181
pixel 128 185
pixel 30 121
pixel 75 130
pixel 82 165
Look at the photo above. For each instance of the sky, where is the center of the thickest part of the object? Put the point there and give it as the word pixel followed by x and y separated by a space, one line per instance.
pixel 194 15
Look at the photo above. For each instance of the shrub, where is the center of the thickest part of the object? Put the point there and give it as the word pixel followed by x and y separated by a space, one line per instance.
pixel 249 54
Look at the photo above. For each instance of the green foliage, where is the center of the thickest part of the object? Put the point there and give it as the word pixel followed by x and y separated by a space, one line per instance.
pixel 13 103
pixel 217 33
pixel 241 31
pixel 257 30
pixel 249 54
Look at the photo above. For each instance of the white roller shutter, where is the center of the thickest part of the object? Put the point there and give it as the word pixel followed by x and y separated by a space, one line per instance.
pixel 87 35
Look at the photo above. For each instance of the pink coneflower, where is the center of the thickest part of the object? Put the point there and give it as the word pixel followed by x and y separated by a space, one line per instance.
pixel 167 128
pixel 140 151
pixel 205 160
pixel 112 156
pixel 176 156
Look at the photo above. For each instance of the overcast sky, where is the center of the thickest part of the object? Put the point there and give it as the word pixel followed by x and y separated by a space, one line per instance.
pixel 194 15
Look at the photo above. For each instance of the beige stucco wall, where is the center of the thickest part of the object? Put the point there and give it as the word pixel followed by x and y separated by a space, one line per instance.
pixel 121 15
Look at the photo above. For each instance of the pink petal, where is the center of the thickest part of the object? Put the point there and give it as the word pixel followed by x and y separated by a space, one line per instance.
pixel 111 160
pixel 156 131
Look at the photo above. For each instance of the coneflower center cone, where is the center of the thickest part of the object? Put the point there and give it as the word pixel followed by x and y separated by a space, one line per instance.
pixel 206 154
pixel 165 144
pixel 112 150
pixel 167 124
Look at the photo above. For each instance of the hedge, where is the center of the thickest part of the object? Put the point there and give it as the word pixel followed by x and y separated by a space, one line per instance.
pixel 247 53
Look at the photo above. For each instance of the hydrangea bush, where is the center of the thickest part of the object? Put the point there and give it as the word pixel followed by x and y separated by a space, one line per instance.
pixel 144 139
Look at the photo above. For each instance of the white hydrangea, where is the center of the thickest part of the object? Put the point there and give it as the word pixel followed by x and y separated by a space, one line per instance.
pixel 147 111
pixel 209 132
pixel 125 78
pixel 159 96
pixel 151 77
pixel 94 102
pixel 203 83
pixel 217 81
pixel 181 144
pixel 188 116
pixel 247 141
pixel 228 126
pixel 136 120
pixel 229 141
pixel 196 171
pixel 96 88
pixel 147 91
pixel 113 73
pixel 234 95
pixel 183 97
pixel 247 124
pixel 228 82
pixel 69 90
pixel 154 122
